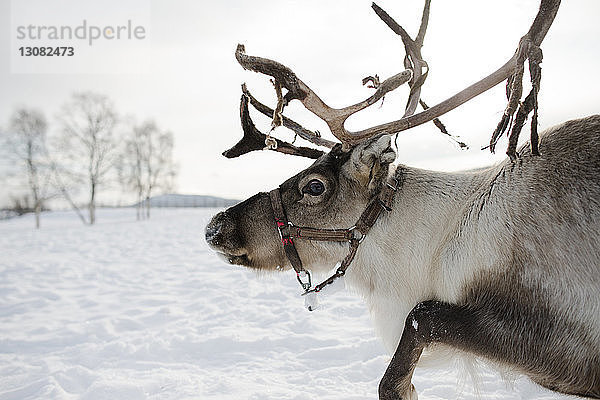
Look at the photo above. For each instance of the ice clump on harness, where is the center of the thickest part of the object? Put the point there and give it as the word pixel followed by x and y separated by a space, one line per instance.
pixel 311 300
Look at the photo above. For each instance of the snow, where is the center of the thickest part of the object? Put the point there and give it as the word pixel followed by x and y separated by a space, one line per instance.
pixel 415 324
pixel 144 310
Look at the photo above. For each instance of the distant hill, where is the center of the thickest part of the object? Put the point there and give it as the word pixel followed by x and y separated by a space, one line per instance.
pixel 6 214
pixel 189 200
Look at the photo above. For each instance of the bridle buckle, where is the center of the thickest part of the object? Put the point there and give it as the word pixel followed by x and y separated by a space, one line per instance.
pixel 353 232
pixel 281 227
pixel 394 187
pixel 304 279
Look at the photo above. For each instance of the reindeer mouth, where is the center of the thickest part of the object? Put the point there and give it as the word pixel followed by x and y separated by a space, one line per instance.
pixel 234 259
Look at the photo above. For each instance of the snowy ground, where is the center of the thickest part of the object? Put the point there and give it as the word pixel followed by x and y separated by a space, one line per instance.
pixel 143 310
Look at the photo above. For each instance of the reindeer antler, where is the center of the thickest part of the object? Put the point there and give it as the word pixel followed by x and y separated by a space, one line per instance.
pixel 298 90
pixel 415 74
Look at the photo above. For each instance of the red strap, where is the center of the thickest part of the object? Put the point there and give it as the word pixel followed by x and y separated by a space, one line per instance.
pixel 282 225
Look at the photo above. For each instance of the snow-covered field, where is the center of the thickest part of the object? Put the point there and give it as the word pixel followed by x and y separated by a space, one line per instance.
pixel 143 310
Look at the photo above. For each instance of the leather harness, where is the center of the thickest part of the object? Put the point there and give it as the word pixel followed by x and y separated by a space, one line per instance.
pixel 354 235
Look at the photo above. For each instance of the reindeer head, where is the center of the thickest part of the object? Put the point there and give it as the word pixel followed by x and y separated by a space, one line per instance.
pixel 329 194
pixel 335 190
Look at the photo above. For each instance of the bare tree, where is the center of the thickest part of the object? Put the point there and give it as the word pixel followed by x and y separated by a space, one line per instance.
pixel 26 145
pixel 147 163
pixel 87 143
pixel 130 166
pixel 160 169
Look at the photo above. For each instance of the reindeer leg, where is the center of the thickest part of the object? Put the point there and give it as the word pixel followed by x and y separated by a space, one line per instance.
pixel 553 351
pixel 428 322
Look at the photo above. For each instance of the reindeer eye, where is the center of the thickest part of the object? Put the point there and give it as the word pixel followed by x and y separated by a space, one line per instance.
pixel 315 187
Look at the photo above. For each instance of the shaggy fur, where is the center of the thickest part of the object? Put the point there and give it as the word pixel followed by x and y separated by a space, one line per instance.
pixel 503 263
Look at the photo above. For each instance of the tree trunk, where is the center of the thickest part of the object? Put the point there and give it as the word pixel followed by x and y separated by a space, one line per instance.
pixel 37 205
pixel 139 206
pixel 38 210
pixel 93 204
pixel 148 207
pixel 33 183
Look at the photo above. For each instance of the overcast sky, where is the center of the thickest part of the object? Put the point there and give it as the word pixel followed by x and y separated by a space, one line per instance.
pixel 189 81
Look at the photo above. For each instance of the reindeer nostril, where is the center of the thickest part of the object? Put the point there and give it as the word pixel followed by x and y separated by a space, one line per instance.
pixel 211 233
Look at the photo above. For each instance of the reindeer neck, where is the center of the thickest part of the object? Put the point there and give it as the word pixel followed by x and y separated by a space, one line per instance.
pixel 402 262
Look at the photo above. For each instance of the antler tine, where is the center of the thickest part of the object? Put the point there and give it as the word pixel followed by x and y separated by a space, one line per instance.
pixel 333 117
pixel 418 63
pixel 253 139
pixel 424 22
pixel 413 59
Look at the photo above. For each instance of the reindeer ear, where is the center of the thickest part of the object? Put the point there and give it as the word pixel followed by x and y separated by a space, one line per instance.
pixel 370 160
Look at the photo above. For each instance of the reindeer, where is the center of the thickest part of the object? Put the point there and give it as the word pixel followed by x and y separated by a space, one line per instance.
pixel 502 263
